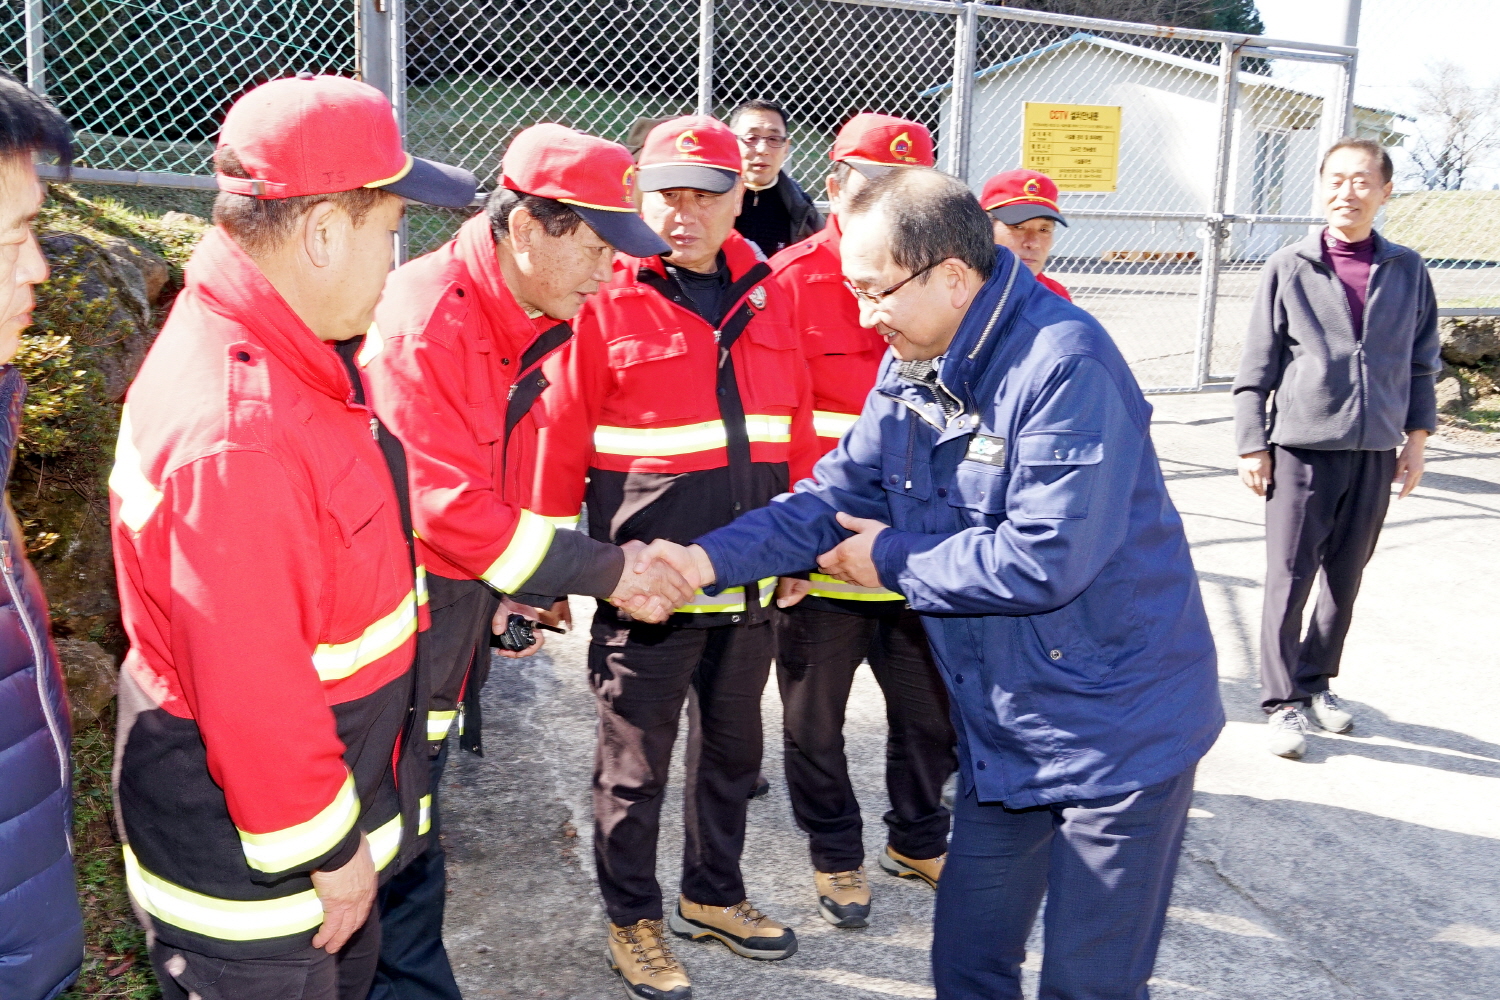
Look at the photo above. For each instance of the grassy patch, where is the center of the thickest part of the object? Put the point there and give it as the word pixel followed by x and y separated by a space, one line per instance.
pixel 115 963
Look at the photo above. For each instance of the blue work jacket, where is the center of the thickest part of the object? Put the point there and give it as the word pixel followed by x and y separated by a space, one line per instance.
pixel 1033 532
pixel 41 928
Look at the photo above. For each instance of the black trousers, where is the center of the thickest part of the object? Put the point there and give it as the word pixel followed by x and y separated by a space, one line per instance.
pixel 1106 867
pixel 641 675
pixel 307 974
pixel 817 653
pixel 1323 517
pixel 413 963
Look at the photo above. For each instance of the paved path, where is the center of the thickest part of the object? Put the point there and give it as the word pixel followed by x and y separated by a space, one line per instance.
pixel 1368 870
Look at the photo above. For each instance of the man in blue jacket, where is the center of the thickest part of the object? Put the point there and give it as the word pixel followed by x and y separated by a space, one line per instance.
pixel 41 929
pixel 1002 478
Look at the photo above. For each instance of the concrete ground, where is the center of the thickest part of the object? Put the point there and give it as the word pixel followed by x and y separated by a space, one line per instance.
pixel 1370 869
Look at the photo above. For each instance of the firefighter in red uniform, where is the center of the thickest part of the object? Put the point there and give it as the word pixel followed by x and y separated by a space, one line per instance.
pixel 1022 206
pixel 683 401
pixel 455 359
pixel 270 770
pixel 826 627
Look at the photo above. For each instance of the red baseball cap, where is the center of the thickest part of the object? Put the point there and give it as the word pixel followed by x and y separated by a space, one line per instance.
pixel 309 134
pixel 594 176
pixel 873 144
pixel 1018 195
pixel 694 151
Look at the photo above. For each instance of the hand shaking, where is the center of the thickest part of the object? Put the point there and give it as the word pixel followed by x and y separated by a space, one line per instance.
pixel 650 589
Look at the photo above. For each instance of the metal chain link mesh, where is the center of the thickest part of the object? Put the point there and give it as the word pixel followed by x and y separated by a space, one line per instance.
pixel 147 82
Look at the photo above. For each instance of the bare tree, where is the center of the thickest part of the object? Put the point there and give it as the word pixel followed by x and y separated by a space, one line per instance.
pixel 1459 127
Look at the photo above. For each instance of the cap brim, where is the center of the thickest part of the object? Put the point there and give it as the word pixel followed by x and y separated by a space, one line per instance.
pixel 1014 215
pixel 869 169
pixel 625 231
pixel 666 176
pixel 435 184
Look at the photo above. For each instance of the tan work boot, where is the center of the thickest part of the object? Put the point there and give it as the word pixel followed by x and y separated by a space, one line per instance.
pixel 929 870
pixel 640 954
pixel 844 897
pixel 747 931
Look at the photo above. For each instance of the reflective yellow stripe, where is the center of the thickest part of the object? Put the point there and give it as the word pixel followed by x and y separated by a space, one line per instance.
pixel 424 815
pixel 827 586
pixel 767 429
pixel 828 424
pixel 438 723
pixel 729 600
pixel 421 583
pixel 138 498
pixel 568 523
pixel 523 555
pixel 335 661
pixel 224 919
pixel 661 442
pixel 283 850
pixel 385 841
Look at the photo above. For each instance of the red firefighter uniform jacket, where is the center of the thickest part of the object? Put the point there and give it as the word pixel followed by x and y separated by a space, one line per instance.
pixel 673 435
pixel 268 593
pixel 455 364
pixel 844 360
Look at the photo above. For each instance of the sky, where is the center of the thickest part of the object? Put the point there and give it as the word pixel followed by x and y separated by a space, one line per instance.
pixel 1398 41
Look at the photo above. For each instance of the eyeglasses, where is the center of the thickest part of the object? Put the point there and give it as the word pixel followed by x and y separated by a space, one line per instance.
pixel 875 298
pixel 768 141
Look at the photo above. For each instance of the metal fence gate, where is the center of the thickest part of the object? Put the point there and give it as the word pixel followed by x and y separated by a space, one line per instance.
pixel 1216 156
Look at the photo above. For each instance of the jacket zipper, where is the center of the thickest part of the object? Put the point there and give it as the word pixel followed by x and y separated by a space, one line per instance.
pixel 911 446
pixel 1359 347
pixel 39 659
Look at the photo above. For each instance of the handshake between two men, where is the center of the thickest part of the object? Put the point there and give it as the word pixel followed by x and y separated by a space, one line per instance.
pixel 664 575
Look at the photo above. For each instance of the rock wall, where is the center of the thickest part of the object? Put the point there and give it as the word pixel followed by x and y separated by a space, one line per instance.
pixel 114 274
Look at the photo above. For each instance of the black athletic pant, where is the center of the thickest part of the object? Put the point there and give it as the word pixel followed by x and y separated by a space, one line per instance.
pixel 306 974
pixel 1323 516
pixel 413 962
pixel 640 675
pixel 817 653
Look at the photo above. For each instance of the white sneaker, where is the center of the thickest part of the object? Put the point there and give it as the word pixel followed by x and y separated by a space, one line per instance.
pixel 1288 736
pixel 1330 713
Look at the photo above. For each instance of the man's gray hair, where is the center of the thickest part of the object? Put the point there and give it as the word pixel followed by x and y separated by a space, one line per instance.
pixel 932 217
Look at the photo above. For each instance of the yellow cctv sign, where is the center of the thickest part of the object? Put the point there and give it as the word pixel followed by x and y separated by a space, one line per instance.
pixel 1077 145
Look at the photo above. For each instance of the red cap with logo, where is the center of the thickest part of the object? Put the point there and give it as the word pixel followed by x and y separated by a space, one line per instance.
pixel 694 151
pixel 594 176
pixel 309 135
pixel 1018 195
pixel 873 144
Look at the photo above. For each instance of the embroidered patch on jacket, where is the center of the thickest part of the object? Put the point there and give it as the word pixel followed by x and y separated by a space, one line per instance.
pixel 758 296
pixel 986 449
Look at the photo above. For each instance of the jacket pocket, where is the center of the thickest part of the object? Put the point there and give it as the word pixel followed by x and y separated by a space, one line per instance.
pixel 658 379
pixel 1055 472
pixel 353 501
pixel 1067 646
pixel 979 487
pixel 769 368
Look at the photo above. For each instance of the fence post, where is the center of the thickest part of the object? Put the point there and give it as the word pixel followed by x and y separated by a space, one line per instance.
pixel 36 46
pixel 380 57
pixel 965 44
pixel 705 57
pixel 1215 230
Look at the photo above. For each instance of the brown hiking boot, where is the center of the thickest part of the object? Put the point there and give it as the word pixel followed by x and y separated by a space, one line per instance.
pixel 640 954
pixel 929 870
pixel 844 897
pixel 747 931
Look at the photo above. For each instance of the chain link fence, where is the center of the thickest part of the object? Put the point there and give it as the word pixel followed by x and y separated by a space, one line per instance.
pixel 1211 163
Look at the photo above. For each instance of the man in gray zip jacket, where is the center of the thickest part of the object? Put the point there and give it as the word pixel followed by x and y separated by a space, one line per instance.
pixel 1343 341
